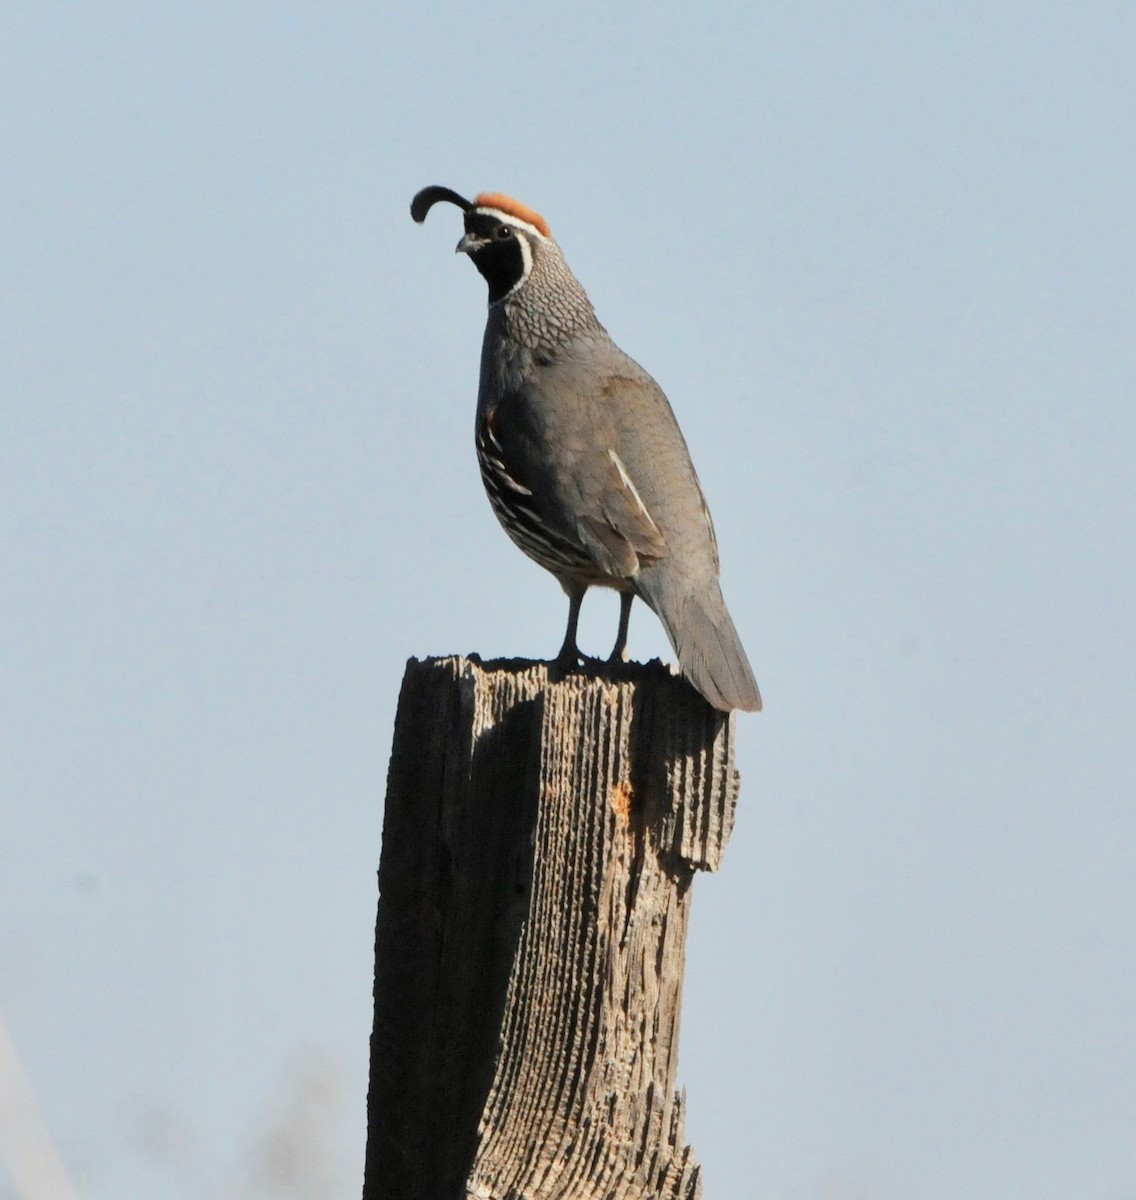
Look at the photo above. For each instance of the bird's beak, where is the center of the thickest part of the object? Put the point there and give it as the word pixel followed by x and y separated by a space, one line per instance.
pixel 469 244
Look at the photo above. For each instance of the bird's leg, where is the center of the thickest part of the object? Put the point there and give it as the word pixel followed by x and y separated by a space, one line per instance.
pixel 619 650
pixel 569 657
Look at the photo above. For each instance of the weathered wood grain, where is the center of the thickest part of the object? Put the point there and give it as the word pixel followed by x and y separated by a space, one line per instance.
pixel 539 843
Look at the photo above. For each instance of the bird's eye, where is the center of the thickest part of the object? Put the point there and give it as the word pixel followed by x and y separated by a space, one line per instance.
pixel 503 232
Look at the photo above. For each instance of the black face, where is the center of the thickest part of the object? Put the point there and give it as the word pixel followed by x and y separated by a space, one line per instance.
pixel 497 253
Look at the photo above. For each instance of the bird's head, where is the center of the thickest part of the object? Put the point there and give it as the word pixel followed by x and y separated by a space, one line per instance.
pixel 502 236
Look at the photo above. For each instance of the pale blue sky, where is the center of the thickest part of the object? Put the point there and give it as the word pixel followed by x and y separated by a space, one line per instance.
pixel 880 257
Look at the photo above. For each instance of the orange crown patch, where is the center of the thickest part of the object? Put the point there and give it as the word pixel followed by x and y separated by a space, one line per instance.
pixel 514 208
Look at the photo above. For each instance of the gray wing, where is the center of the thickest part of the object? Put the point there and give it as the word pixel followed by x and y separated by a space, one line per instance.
pixel 626 418
pixel 554 452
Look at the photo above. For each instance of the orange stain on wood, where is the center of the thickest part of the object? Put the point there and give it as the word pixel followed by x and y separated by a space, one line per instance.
pixel 621 797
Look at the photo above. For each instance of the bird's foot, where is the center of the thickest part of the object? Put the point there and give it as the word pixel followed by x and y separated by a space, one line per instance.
pixel 568 660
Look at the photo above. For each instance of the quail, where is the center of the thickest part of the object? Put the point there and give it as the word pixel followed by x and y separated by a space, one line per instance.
pixel 582 457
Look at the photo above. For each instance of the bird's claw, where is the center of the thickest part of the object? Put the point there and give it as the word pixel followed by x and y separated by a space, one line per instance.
pixel 571 660
pixel 568 660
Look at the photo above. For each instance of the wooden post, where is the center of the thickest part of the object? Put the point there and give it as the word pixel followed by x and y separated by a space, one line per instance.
pixel 539 843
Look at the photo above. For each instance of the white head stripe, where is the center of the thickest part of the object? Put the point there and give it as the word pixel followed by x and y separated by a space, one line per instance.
pixel 526 254
pixel 509 219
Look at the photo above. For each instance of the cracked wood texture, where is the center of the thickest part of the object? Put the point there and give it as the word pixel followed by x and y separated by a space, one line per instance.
pixel 539 843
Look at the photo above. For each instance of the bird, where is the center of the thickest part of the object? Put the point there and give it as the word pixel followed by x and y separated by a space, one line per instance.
pixel 581 455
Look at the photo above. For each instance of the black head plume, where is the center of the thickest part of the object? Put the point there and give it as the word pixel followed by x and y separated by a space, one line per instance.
pixel 429 196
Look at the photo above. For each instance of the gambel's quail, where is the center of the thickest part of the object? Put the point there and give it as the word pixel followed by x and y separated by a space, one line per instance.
pixel 581 455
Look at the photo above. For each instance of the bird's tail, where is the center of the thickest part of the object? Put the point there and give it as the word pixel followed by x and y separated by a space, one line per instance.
pixel 709 650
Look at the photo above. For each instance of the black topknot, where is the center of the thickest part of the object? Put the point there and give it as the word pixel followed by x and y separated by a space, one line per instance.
pixel 429 196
